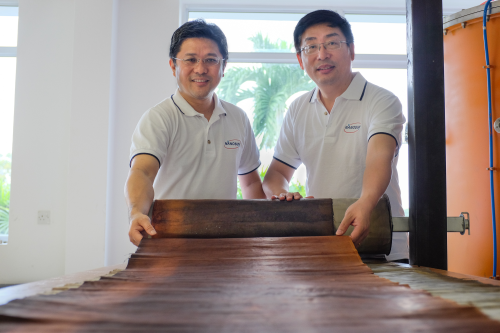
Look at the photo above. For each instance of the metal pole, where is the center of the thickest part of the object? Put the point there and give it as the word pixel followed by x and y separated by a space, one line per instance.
pixel 426 133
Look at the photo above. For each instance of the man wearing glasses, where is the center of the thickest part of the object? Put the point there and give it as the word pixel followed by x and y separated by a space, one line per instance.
pixel 192 145
pixel 346 131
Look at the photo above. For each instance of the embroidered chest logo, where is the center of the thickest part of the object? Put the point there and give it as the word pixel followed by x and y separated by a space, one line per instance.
pixel 352 128
pixel 232 144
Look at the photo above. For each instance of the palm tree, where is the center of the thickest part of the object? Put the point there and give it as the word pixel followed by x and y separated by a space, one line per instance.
pixel 274 84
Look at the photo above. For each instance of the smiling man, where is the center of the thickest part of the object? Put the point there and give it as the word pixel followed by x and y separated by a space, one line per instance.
pixel 192 145
pixel 346 131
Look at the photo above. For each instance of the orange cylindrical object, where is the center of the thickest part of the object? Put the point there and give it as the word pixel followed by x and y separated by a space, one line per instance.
pixel 467 142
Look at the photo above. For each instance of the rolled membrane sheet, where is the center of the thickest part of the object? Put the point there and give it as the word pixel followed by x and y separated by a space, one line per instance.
pixel 264 284
pixel 267 218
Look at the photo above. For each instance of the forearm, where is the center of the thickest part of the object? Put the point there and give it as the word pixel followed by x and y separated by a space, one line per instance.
pixel 376 178
pixel 251 186
pixel 253 191
pixel 139 192
pixel 274 183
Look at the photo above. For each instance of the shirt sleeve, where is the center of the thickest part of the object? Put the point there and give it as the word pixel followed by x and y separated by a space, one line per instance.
pixel 387 118
pixel 250 157
pixel 150 136
pixel 286 150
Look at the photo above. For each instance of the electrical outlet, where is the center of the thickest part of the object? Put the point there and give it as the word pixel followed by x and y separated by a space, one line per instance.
pixel 44 217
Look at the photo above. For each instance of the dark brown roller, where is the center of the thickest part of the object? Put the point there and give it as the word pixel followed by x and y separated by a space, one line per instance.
pixel 265 218
pixel 242 218
pixel 379 239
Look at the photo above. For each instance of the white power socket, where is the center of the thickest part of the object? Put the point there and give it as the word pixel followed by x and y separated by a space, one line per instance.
pixel 44 217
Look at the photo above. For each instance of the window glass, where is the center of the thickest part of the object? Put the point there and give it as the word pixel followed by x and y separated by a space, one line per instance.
pixel 8 26
pixel 378 34
pixel 265 91
pixel 242 30
pixel 8 38
pixel 373 34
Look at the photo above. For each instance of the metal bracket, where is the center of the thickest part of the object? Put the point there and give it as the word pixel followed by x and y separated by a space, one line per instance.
pixel 496 125
pixel 455 224
pixel 466 223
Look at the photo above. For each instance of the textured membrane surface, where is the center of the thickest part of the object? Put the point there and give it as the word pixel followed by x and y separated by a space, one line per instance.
pixel 289 284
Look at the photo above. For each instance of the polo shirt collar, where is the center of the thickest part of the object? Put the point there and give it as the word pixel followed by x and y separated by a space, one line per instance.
pixel 355 91
pixel 185 108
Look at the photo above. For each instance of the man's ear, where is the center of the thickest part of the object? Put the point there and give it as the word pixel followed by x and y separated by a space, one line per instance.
pixel 224 67
pixel 351 49
pixel 299 58
pixel 172 65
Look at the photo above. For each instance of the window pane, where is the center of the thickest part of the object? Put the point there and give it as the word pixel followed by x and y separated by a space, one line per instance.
pixel 8 26
pixel 265 91
pixel 373 34
pixel 7 86
pixel 275 29
pixel 8 38
pixel 379 34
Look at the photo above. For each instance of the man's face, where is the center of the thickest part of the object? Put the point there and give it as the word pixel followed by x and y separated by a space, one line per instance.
pixel 200 80
pixel 326 67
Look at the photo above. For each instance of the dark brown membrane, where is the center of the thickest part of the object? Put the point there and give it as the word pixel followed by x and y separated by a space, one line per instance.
pixel 289 284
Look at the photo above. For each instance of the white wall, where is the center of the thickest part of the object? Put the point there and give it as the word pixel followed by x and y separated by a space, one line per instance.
pixel 143 79
pixel 40 144
pixel 86 71
pixel 60 124
pixel 88 152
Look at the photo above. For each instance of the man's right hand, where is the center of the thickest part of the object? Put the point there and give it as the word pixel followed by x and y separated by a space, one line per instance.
pixel 139 194
pixel 139 223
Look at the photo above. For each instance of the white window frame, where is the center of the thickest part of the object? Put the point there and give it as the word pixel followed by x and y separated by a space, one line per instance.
pixel 9 51
pixel 393 61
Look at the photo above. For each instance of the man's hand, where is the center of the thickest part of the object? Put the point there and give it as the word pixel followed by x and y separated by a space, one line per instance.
pixel 276 182
pixel 357 215
pixel 139 223
pixel 376 178
pixel 139 194
pixel 289 196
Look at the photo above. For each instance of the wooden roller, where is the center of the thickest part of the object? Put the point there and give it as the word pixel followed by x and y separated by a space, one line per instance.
pixel 266 218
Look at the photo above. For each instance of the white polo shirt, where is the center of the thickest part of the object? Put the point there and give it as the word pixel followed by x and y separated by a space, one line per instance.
pixel 333 145
pixel 199 159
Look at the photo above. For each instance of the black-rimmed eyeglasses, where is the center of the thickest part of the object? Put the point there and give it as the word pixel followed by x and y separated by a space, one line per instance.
pixel 329 46
pixel 192 61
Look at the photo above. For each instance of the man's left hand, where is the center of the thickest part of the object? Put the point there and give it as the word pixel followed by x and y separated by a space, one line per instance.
pixel 289 196
pixel 357 215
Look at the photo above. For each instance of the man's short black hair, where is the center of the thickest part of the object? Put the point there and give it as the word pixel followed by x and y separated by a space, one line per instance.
pixel 198 29
pixel 322 16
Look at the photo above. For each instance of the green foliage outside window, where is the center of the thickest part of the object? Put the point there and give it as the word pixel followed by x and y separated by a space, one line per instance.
pixel 5 167
pixel 273 86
